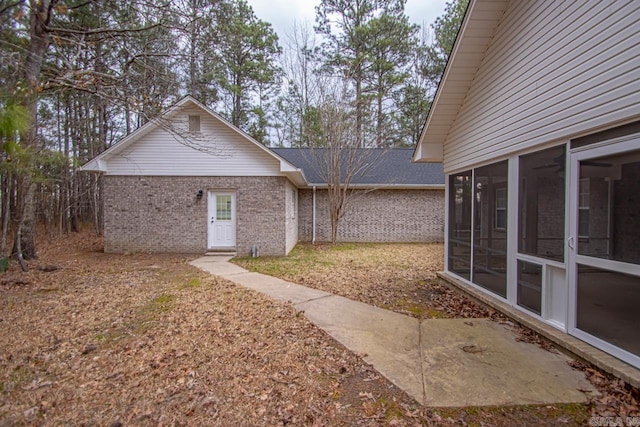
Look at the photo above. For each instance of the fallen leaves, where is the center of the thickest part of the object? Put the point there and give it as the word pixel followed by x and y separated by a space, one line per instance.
pixel 615 398
pixel 149 340
pixel 401 277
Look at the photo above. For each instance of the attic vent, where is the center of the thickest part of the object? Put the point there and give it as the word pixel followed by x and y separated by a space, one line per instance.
pixel 194 123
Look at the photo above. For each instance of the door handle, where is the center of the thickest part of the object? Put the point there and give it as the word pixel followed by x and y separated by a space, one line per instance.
pixel 212 220
pixel 571 242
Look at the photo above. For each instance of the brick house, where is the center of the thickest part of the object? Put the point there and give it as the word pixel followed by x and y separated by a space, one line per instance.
pixel 537 123
pixel 393 200
pixel 189 181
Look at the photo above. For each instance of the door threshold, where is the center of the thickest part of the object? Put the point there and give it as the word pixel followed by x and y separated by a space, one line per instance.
pixel 213 252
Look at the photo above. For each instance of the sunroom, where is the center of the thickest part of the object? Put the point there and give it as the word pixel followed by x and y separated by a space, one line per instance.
pixel 562 242
pixel 537 123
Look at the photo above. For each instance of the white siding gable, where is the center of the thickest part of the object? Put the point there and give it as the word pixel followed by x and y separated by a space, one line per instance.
pixel 171 150
pixel 555 70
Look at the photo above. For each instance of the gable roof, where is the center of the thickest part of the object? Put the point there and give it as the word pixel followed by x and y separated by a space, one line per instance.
pixel 478 28
pixel 382 168
pixel 99 163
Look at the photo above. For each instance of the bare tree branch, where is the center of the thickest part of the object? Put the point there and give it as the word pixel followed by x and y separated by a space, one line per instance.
pixel 106 31
pixel 6 7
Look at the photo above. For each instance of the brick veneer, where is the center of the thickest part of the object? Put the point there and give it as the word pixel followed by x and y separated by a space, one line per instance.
pixel 162 214
pixel 378 216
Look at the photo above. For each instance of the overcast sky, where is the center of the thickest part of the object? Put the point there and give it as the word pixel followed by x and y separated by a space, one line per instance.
pixel 283 13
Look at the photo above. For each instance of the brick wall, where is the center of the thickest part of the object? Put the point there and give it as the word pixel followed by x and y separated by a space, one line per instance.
pixel 378 216
pixel 162 214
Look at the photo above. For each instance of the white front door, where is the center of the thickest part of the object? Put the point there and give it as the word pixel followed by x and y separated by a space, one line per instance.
pixel 604 247
pixel 222 220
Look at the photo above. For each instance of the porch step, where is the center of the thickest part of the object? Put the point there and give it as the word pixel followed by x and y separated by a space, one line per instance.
pixel 221 253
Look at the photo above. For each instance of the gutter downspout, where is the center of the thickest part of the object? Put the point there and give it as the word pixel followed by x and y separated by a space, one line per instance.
pixel 313 218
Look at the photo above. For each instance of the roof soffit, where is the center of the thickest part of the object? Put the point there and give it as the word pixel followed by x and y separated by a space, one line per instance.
pixel 476 34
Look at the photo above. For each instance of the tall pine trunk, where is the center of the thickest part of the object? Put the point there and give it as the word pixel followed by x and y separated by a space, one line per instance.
pixel 25 231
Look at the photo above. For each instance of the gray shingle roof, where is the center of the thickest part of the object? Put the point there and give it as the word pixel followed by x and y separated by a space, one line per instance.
pixel 384 167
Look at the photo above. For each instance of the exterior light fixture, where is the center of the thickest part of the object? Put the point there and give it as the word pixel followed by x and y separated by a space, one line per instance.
pixel 199 195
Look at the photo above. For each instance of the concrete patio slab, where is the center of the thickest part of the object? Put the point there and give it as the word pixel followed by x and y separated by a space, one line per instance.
pixel 387 340
pixel 478 362
pixel 439 362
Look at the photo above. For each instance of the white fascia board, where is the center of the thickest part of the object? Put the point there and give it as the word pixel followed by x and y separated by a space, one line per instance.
pixel 298 178
pixel 323 186
pixel 429 153
pixel 95 165
pixel 433 151
pixel 91 166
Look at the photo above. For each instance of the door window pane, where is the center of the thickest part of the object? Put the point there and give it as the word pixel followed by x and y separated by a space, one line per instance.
pixel 489 241
pixel 541 204
pixel 223 208
pixel 608 307
pixel 459 256
pixel 530 286
pixel 609 207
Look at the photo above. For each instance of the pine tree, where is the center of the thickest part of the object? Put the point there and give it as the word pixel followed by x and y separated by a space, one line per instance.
pixel 247 55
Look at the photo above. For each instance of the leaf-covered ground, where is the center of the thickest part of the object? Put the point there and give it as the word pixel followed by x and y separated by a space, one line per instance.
pixel 88 338
pixel 398 277
pixel 119 340
pixel 402 278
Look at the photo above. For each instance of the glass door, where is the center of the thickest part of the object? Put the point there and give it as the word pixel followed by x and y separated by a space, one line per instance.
pixel 604 247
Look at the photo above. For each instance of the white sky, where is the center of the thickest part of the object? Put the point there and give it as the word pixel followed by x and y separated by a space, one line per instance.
pixel 283 13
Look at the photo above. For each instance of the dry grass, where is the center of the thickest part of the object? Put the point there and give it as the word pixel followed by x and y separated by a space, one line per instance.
pixel 399 277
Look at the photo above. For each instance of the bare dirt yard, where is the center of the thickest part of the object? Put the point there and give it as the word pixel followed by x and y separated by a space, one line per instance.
pixel 88 338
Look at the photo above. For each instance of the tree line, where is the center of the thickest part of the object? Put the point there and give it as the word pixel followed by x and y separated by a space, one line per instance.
pixel 78 75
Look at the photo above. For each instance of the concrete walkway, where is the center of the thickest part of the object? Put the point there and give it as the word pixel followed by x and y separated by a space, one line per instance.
pixel 439 362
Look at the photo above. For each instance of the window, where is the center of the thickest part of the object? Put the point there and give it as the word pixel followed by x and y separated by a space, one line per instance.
pixel 489 242
pixel 541 203
pixel 607 306
pixel 530 286
pixel 460 198
pixel 609 207
pixel 583 208
pixel 223 208
pixel 501 208
pixel 478 203
pixel 194 123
